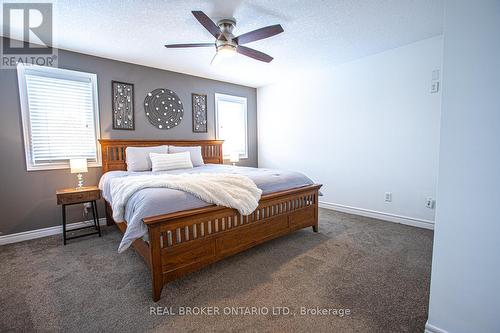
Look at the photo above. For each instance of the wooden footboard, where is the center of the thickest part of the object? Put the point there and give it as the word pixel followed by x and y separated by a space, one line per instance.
pixel 182 242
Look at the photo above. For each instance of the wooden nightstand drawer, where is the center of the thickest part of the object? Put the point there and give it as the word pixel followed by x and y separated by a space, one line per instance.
pixel 73 195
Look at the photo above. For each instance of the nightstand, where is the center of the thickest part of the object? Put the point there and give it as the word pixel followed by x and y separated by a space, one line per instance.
pixel 73 196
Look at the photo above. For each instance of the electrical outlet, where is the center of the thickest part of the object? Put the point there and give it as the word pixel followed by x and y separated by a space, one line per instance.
pixel 429 202
pixel 86 207
pixel 388 196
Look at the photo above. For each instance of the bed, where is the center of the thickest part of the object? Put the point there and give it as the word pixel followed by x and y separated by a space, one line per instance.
pixel 197 234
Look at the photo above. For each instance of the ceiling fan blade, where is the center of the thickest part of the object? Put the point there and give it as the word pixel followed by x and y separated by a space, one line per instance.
pixel 174 46
pixel 259 34
pixel 253 53
pixel 208 24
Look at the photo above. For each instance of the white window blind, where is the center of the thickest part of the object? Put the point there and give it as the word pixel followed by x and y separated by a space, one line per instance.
pixel 231 118
pixel 60 117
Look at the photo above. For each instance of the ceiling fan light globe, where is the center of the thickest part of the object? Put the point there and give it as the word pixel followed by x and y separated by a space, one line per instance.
pixel 226 51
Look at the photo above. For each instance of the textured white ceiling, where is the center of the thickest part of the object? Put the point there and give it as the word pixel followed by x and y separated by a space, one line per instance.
pixel 317 32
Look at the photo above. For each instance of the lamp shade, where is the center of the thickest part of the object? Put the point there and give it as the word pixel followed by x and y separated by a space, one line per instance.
pixel 234 157
pixel 78 165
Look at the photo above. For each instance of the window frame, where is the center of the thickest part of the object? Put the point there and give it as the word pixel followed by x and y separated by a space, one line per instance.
pixel 67 74
pixel 234 99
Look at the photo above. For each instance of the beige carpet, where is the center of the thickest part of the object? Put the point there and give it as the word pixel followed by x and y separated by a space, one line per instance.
pixel 377 270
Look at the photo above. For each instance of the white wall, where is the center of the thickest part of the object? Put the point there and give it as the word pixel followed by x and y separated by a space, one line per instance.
pixel 465 280
pixel 361 129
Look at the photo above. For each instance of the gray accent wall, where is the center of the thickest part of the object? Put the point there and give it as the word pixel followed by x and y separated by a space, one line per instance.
pixel 27 199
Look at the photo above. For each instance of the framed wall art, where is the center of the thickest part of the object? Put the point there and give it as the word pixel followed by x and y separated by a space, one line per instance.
pixel 163 108
pixel 122 105
pixel 199 113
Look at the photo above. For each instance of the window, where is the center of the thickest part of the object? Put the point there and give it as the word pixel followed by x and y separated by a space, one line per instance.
pixel 231 120
pixel 60 116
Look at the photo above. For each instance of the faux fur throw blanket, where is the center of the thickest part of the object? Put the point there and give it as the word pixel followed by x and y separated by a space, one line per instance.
pixel 224 189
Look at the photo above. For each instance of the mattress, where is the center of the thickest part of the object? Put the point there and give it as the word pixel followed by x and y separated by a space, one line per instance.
pixel 157 201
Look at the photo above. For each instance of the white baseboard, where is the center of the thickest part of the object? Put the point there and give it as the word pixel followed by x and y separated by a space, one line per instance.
pixel 429 328
pixel 32 234
pixel 22 236
pixel 415 222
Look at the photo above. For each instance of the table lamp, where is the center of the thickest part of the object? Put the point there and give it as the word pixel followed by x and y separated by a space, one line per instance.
pixel 78 165
pixel 234 157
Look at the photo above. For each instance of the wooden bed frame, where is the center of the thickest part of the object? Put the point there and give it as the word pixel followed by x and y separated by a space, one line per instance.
pixel 185 241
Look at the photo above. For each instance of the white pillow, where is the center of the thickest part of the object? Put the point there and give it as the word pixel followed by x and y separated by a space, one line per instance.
pixel 165 162
pixel 138 159
pixel 195 151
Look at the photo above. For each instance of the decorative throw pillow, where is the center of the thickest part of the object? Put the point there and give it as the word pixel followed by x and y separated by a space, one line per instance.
pixel 165 162
pixel 196 157
pixel 138 159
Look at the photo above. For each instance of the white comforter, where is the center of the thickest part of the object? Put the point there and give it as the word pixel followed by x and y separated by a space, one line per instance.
pixel 223 189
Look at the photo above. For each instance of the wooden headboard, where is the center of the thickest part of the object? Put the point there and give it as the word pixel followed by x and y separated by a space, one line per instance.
pixel 113 151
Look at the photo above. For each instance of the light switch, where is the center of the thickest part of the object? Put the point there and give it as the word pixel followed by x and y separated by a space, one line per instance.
pixel 435 87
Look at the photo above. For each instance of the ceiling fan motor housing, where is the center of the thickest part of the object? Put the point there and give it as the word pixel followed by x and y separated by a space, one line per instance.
pixel 226 27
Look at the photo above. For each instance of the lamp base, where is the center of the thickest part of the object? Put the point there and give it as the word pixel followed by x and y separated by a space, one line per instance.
pixel 80 181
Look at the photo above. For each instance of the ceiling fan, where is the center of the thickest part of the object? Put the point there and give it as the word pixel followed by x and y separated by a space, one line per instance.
pixel 226 43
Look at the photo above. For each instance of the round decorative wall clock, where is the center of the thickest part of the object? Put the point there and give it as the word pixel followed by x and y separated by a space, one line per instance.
pixel 163 108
